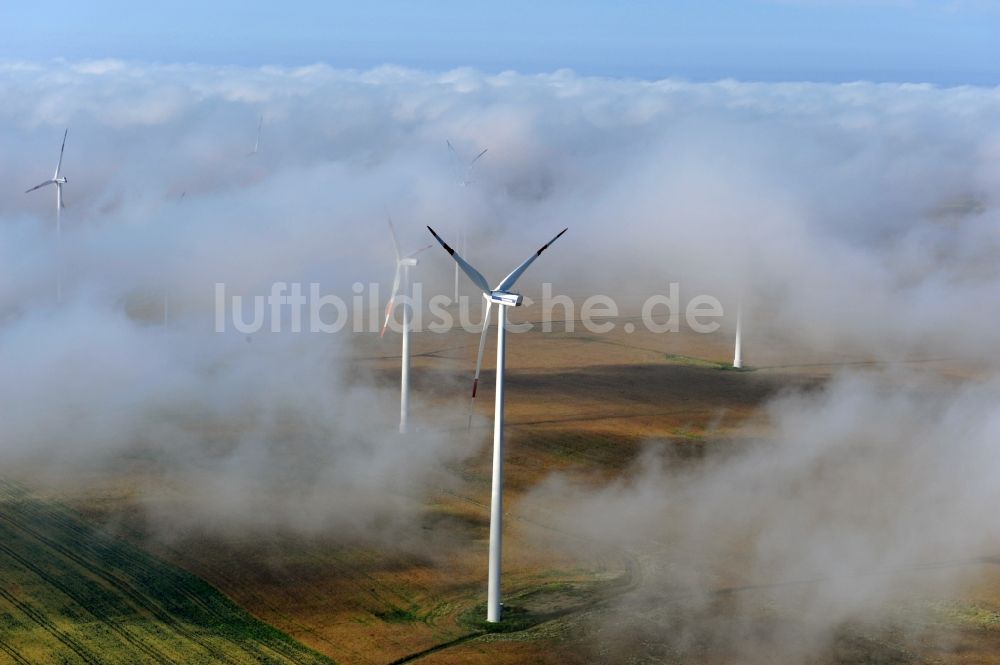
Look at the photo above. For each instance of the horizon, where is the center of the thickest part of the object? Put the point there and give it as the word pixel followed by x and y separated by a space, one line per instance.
pixel 945 44
pixel 100 66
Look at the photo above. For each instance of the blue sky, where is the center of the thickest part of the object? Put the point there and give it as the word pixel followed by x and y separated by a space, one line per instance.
pixel 949 42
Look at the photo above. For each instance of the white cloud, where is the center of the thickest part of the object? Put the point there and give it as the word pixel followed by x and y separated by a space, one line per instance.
pixel 862 217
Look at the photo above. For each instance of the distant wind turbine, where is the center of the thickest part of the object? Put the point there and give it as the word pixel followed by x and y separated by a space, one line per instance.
pixel 463 170
pixel 463 176
pixel 402 277
pixel 57 180
pixel 503 297
pixel 738 352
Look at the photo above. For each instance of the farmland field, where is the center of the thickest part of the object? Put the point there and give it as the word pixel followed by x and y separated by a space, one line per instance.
pixel 71 593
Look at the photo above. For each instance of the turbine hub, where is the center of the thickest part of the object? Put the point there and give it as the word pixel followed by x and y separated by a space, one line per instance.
pixel 506 298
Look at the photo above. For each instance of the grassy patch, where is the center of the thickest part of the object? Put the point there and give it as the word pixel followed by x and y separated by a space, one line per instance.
pixel 688 435
pixel 678 359
pixel 539 605
pixel 513 619
pixel 691 361
pixel 396 615
pixel 971 616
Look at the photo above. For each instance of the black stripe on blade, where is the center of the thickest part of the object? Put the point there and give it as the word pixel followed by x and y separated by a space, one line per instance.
pixel 546 245
pixel 443 243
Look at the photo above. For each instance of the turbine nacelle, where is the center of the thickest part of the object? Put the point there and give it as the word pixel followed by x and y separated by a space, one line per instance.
pixel 505 298
pixel 408 261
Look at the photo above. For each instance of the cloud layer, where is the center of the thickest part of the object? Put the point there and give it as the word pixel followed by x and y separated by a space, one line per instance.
pixel 858 214
pixel 876 491
pixel 858 217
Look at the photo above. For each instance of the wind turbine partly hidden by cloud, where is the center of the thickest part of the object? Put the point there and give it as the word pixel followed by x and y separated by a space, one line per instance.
pixel 57 180
pixel 463 170
pixel 502 296
pixel 463 176
pixel 402 278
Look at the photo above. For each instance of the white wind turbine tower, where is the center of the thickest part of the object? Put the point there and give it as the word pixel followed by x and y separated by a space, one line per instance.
pixel 402 277
pixel 463 176
pixel 738 351
pixel 256 146
pixel 503 297
pixel 58 181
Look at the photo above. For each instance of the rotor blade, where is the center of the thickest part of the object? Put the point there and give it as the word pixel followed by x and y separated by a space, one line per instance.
pixel 260 123
pixel 391 305
pixel 476 158
pixel 47 182
pixel 61 150
pixel 509 280
pixel 482 346
pixel 456 162
pixel 473 274
pixel 395 243
pixel 468 171
pixel 412 254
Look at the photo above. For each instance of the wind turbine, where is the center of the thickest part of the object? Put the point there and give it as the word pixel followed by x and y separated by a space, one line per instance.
pixel 58 181
pixel 503 297
pixel 738 352
pixel 463 176
pixel 403 265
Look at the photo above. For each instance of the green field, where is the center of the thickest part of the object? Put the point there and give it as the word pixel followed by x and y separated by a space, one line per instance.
pixel 72 594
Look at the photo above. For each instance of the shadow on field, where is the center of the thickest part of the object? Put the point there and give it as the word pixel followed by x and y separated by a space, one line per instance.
pixel 657 384
pixel 660 384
